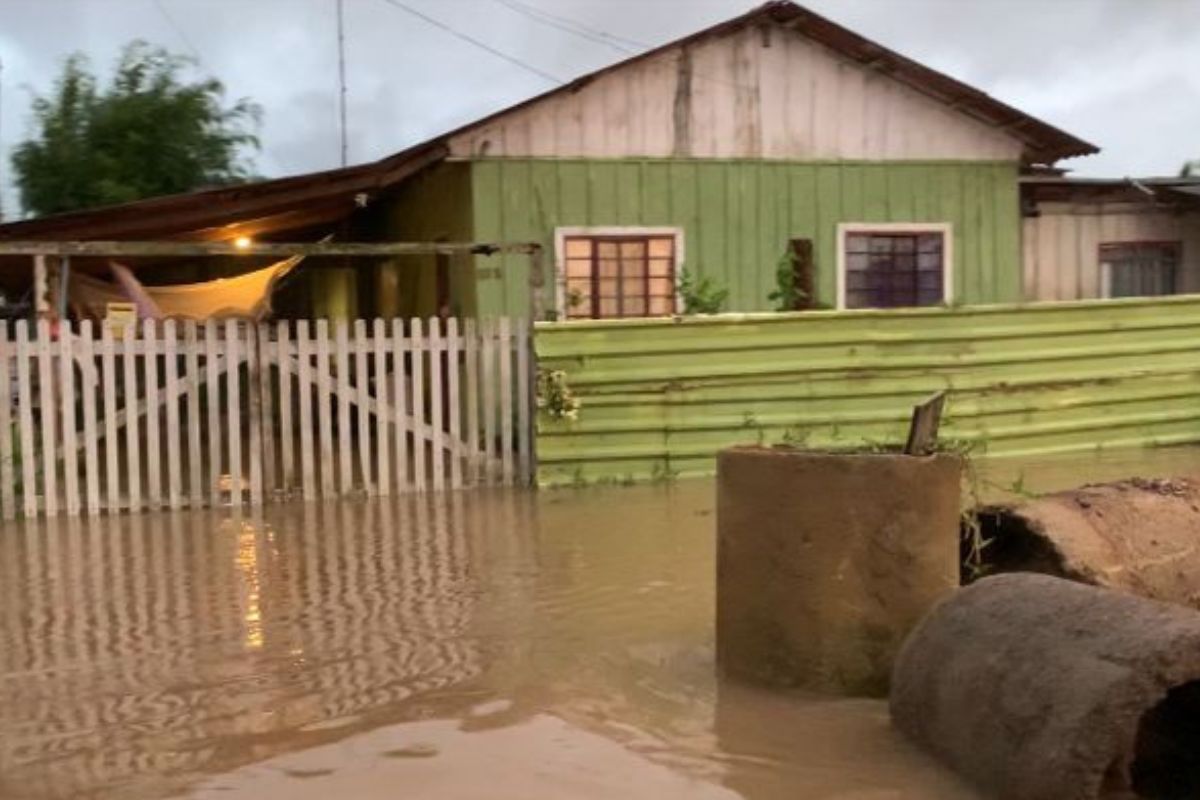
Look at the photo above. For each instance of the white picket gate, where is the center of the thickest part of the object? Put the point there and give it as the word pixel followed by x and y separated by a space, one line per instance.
pixel 186 415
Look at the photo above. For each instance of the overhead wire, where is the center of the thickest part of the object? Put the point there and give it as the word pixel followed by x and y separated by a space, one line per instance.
pixel 183 37
pixel 574 27
pixel 596 35
pixel 472 40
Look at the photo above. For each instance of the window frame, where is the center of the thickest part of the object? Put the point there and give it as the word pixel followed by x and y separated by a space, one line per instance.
pixel 1105 267
pixel 561 234
pixel 946 229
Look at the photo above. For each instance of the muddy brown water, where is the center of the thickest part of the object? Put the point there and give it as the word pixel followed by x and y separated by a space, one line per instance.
pixel 481 645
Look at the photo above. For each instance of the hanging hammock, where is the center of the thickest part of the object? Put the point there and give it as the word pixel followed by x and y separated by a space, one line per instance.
pixel 246 296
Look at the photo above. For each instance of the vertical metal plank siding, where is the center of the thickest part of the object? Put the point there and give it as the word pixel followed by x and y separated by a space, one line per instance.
pixel 737 217
pixel 661 397
pixel 1062 245
pixel 755 91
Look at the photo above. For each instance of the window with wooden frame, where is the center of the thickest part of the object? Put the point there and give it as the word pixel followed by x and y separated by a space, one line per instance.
pixel 894 265
pixel 1139 269
pixel 617 273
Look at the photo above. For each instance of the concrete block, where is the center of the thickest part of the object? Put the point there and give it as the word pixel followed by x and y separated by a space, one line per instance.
pixel 825 562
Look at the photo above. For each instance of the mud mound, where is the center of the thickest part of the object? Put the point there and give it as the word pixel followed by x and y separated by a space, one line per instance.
pixel 1139 535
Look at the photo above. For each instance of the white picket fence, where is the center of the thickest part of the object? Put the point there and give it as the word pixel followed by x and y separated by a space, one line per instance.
pixel 187 415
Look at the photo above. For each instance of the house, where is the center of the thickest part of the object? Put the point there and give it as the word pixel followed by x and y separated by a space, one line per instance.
pixel 776 133
pixel 1093 238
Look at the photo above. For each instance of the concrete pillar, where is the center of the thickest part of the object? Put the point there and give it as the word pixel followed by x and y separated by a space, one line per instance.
pixel 1038 688
pixel 825 562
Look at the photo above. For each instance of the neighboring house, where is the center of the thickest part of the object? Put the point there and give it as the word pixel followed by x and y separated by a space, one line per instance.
pixel 1090 238
pixel 776 132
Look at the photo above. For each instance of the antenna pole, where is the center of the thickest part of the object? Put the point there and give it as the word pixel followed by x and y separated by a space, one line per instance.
pixel 341 34
pixel 1 141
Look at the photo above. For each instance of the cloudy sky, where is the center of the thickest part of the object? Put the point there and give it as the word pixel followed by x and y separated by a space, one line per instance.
pixel 1124 74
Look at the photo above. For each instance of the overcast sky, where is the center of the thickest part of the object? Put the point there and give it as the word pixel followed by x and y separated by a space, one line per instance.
pixel 1124 74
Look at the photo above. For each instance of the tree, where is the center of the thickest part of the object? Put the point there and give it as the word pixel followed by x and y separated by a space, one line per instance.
pixel 1191 169
pixel 148 133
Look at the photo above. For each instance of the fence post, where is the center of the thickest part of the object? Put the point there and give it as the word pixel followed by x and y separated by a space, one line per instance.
pixel 455 403
pixel 506 399
pixel 384 410
pixel 7 494
pixel 45 357
pixel 363 396
pixel 434 344
pixel 419 427
pixel 233 394
pixel 171 388
pixel 255 398
pixel 153 448
pixel 7 491
pixel 191 344
pixel 266 404
pixel 112 455
pixel 133 458
pixel 91 453
pixel 66 370
pixel 29 492
pixel 283 358
pixel 525 390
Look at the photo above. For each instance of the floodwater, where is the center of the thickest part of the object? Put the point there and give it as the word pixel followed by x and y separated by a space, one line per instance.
pixel 477 645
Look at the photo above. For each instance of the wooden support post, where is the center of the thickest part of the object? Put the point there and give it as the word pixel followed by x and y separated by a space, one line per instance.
pixel 41 288
pixel 923 431
pixel 537 280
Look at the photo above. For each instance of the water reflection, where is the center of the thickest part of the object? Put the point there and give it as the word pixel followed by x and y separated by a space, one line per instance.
pixel 561 642
pixel 137 652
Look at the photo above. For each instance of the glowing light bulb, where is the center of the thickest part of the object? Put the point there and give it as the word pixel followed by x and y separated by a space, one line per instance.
pixel 242 242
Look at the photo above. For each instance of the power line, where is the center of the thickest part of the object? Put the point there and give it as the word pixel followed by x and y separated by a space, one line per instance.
pixel 572 27
pixel 183 37
pixel 466 38
pixel 601 37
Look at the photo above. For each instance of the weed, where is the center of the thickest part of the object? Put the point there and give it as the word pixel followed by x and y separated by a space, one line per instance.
pixel 662 472
pixel 700 295
pixel 787 296
pixel 555 397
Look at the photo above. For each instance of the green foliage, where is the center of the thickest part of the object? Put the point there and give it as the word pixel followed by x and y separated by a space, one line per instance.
pixel 700 295
pixel 148 133
pixel 1191 169
pixel 555 397
pixel 787 296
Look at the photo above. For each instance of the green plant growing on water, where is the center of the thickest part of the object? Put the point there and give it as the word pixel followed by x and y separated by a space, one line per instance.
pixel 787 296
pixel 554 396
pixel 700 295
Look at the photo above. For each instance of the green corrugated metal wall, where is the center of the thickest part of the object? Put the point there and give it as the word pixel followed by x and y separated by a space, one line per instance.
pixel 434 205
pixel 662 397
pixel 738 216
